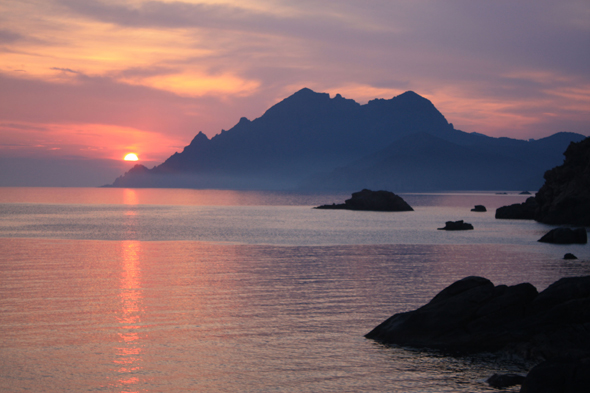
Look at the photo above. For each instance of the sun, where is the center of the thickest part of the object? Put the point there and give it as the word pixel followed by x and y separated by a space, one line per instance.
pixel 131 157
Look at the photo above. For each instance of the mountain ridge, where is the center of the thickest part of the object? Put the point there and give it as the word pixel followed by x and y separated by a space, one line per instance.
pixel 302 140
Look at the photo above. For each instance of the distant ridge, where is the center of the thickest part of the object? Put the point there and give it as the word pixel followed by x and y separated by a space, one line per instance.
pixel 310 141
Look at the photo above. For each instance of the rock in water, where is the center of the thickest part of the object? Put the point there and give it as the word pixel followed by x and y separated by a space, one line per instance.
pixel 502 381
pixel 563 375
pixel 456 226
pixel 472 315
pixel 565 196
pixel 569 255
pixel 479 208
pixel 565 236
pixel 519 211
pixel 384 201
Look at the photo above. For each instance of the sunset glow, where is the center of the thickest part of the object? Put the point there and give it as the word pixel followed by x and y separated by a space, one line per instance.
pixel 94 79
pixel 131 157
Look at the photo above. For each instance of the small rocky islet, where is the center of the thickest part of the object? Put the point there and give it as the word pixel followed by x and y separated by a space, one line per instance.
pixel 367 200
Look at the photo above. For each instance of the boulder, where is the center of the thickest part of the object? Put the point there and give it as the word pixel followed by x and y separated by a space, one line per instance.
pixel 385 201
pixel 503 381
pixel 479 208
pixel 565 236
pixel 565 196
pixel 559 375
pixel 472 315
pixel 569 255
pixel 456 226
pixel 519 211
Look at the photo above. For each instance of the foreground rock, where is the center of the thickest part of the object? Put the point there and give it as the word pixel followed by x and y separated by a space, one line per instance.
pixel 565 236
pixel 563 376
pixel 456 226
pixel 502 381
pixel 519 211
pixel 565 196
pixel 384 201
pixel 479 208
pixel 472 315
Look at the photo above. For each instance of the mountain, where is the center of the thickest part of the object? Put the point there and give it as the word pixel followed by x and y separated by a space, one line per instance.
pixel 315 142
pixel 423 162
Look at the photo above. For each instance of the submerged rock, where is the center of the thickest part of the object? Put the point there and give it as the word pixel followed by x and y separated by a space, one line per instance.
pixel 565 236
pixel 385 201
pixel 519 211
pixel 456 226
pixel 479 208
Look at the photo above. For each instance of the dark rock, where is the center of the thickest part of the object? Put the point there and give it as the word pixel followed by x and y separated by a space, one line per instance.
pixel 472 315
pixel 525 193
pixel 456 226
pixel 565 236
pixel 519 211
pixel 502 381
pixel 479 208
pixel 372 200
pixel 569 255
pixel 565 196
pixel 559 375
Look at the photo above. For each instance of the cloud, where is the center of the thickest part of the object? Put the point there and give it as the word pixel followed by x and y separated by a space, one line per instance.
pixel 66 70
pixel 174 68
pixel 7 36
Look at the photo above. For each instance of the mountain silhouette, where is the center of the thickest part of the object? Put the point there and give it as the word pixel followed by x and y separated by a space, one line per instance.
pixel 313 142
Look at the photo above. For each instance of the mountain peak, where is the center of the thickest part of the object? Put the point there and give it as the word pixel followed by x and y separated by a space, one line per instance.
pixel 199 138
pixel 411 95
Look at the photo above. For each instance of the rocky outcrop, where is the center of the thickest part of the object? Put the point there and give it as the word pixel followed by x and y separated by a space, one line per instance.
pixel 519 211
pixel 565 196
pixel 456 226
pixel 565 236
pixel 472 315
pixel 479 208
pixel 559 375
pixel 502 381
pixel 569 255
pixel 384 201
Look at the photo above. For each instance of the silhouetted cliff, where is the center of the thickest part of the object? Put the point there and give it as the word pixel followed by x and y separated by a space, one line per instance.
pixel 565 196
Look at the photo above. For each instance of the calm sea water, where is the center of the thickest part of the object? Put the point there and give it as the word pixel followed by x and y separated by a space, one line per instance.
pixel 120 290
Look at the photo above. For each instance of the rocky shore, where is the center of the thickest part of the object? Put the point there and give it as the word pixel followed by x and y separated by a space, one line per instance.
pixel 564 198
pixel 474 316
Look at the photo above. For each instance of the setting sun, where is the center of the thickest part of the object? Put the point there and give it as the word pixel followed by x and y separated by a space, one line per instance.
pixel 131 157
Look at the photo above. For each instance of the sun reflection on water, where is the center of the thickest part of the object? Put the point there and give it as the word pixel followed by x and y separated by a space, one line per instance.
pixel 129 348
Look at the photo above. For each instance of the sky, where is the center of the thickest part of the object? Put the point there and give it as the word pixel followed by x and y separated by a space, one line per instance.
pixel 84 82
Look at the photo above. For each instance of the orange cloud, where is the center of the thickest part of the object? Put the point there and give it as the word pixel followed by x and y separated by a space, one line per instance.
pixel 195 84
pixel 92 141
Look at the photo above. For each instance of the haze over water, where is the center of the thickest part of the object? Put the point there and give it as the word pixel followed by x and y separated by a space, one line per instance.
pixel 122 290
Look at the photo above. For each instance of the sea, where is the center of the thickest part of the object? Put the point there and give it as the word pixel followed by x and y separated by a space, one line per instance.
pixel 170 290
